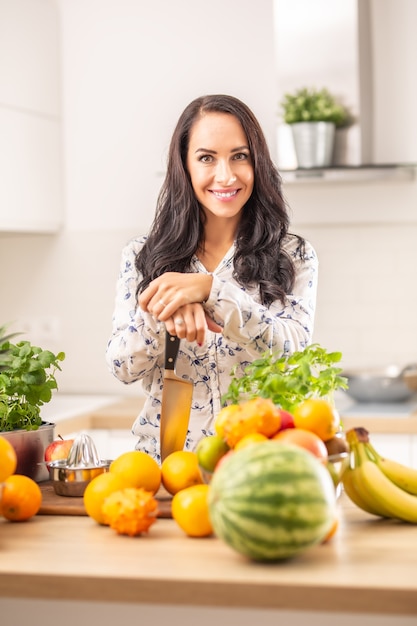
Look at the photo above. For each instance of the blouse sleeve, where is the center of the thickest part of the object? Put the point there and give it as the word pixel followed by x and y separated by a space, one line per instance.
pixel 281 328
pixel 135 343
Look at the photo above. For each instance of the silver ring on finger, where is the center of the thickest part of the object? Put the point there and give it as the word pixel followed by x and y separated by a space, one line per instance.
pixel 179 321
pixel 162 303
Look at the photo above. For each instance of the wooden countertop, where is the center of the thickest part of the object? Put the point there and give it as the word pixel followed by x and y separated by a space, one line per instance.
pixel 368 567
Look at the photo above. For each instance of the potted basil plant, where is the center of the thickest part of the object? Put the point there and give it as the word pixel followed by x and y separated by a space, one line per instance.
pixel 27 381
pixel 314 115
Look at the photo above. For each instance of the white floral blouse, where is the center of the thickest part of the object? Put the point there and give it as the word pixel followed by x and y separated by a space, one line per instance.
pixel 135 351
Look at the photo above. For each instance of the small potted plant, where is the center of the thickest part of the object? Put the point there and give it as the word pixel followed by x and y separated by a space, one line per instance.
pixel 27 380
pixel 313 115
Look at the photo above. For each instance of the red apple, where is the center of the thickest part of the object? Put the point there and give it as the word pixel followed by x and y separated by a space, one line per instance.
pixel 304 439
pixel 58 449
pixel 287 420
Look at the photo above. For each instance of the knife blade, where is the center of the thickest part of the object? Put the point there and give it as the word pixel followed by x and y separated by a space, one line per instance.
pixel 176 402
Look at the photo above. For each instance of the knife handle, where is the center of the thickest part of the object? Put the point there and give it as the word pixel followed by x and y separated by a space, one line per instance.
pixel 172 345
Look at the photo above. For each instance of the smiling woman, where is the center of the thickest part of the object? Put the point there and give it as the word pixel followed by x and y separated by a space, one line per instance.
pixel 222 176
pixel 219 269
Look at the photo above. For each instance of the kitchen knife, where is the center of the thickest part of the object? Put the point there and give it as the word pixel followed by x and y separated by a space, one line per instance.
pixel 176 402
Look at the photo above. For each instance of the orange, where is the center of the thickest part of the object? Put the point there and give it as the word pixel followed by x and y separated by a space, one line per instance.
pixel 191 512
pixel 304 439
pixel 8 459
pixel 137 469
pixel 247 440
pixel 180 470
pixel 318 416
pixel 97 491
pixel 21 498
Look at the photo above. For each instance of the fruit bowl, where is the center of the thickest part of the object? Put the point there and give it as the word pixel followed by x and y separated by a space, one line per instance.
pixel 336 464
pixel 206 475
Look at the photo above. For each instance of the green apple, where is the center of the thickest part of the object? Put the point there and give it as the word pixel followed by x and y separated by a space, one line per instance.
pixel 210 450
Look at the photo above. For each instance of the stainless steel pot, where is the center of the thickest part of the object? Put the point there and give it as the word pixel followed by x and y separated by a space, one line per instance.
pixel 30 446
pixel 389 384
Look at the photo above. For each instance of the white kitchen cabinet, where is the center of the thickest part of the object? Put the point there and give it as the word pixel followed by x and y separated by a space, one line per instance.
pixel 31 196
pixel 31 177
pixel 30 56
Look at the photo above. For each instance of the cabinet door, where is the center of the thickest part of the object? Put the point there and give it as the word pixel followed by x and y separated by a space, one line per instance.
pixel 30 172
pixel 30 123
pixel 29 56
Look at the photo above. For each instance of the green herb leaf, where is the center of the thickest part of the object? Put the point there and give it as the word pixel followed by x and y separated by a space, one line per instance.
pixel 290 379
pixel 313 105
pixel 27 379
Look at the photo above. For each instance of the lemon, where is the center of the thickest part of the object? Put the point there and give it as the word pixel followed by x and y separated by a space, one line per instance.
pixel 97 491
pixel 180 470
pixel 137 469
pixel 191 512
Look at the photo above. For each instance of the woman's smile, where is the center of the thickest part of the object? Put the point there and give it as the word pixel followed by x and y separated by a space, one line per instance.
pixel 225 196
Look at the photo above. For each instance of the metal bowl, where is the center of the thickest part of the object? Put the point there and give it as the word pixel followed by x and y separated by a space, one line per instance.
pixel 389 384
pixel 70 481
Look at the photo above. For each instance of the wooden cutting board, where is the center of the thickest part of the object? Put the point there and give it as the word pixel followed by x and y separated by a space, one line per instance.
pixel 52 504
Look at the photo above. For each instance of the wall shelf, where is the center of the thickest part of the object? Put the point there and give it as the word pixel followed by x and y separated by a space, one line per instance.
pixel 362 173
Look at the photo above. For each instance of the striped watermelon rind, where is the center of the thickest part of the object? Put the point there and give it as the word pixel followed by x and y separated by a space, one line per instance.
pixel 271 501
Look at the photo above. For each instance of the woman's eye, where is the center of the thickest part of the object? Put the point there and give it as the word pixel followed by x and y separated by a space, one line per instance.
pixel 241 156
pixel 206 158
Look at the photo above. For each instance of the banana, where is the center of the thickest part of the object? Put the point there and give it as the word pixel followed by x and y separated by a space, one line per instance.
pixel 352 493
pixel 374 488
pixel 396 502
pixel 366 495
pixel 401 475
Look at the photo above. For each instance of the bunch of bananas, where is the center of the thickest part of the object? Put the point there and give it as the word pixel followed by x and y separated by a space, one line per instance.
pixel 379 486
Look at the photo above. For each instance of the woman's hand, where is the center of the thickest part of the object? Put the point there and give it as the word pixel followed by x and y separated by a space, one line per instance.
pixel 164 295
pixel 167 293
pixel 175 298
pixel 191 322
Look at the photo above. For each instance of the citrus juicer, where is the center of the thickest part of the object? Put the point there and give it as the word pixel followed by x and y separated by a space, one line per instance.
pixel 71 476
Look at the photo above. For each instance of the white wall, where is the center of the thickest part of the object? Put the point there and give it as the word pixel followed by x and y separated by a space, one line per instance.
pixel 128 69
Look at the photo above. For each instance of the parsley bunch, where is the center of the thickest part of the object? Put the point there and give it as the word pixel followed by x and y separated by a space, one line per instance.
pixel 289 379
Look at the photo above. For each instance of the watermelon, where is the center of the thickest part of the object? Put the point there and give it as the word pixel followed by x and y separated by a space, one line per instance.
pixel 270 501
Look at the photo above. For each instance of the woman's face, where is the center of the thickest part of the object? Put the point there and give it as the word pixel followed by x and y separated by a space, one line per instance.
pixel 220 165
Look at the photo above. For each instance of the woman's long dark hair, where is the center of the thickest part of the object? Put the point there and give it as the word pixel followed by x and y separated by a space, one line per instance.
pixel 177 231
